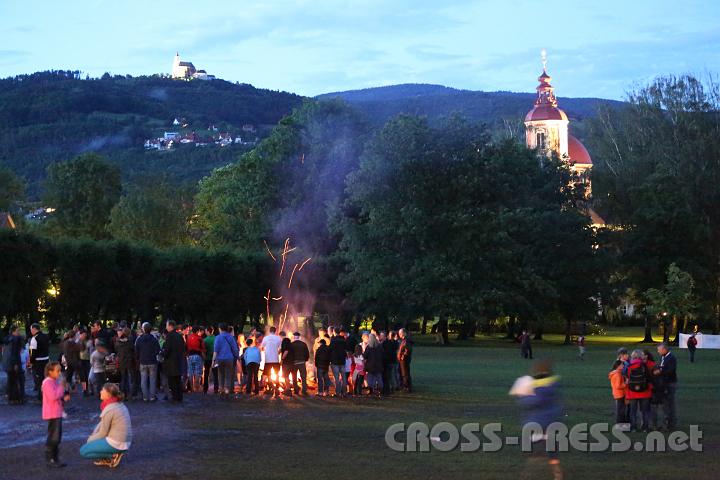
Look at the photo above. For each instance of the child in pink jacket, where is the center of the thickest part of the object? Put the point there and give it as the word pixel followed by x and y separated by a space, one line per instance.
pixel 54 393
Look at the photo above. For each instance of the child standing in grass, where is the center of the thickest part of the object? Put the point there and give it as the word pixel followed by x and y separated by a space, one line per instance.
pixel 581 347
pixel 54 393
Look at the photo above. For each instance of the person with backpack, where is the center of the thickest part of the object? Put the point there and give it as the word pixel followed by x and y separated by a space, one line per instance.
pixel 639 390
pixel 692 346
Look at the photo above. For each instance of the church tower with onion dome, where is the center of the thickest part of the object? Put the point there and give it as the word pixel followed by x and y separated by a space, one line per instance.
pixel 546 128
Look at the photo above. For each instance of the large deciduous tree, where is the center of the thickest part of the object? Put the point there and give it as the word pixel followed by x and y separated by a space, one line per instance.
pixel 657 177
pixel 156 213
pixel 83 191
pixel 439 220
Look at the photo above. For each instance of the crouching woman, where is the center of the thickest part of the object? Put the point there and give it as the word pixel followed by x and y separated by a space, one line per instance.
pixel 113 435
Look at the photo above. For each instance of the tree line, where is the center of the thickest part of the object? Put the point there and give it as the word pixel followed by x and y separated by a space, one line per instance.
pixel 71 281
pixel 445 220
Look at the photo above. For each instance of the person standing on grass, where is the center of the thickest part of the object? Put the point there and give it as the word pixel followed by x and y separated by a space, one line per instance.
pixel 12 358
pixel 374 365
pixel 525 345
pixel 54 393
pixel 581 347
pixel 404 358
pixel 667 374
pixel 359 372
pixel 125 351
pixel 112 437
pixel 287 361
pixel 195 358
pixel 271 346
pixel 39 356
pixel 390 349
pixel 225 354
pixel 301 354
pixel 209 369
pixel 638 390
pixel 251 358
pixel 71 351
pixel 617 383
pixel 692 346
pixel 97 366
pixel 147 348
pixel 338 354
pixel 322 365
pixel 656 398
pixel 84 365
pixel 173 353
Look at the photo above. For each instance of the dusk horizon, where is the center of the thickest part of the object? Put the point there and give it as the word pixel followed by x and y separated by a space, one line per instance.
pixel 311 49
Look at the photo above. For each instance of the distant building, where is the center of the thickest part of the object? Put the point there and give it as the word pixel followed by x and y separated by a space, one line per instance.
pixel 546 129
pixel 187 71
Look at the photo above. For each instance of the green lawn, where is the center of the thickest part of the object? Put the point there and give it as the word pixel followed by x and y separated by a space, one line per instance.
pixel 332 439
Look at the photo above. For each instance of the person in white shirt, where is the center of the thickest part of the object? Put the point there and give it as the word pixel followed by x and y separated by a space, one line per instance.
pixel 271 347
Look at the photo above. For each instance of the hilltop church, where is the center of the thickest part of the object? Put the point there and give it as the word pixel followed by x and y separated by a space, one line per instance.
pixel 187 71
pixel 546 128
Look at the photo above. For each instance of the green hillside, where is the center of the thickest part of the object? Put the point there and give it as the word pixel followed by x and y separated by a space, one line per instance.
pixel 50 116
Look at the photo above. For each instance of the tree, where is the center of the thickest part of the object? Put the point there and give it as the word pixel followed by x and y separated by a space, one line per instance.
pixel 675 301
pixel 156 213
pixel 11 188
pixel 83 191
pixel 439 220
pixel 657 178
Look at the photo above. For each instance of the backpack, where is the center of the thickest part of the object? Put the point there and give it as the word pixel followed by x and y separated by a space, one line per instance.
pixel 638 378
pixel 692 341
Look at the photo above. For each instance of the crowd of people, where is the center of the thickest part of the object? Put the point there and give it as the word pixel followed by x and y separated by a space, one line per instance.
pixel 119 363
pixel 183 359
pixel 641 387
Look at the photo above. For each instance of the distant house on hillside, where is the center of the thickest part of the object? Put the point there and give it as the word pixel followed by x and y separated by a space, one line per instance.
pixel 6 221
pixel 187 71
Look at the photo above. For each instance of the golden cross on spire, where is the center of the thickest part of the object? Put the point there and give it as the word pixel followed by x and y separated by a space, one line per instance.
pixel 543 57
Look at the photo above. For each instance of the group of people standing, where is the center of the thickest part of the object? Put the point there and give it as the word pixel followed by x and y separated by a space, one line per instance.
pixel 178 359
pixel 641 387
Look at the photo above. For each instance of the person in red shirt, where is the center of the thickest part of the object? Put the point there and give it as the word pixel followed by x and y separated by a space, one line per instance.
pixel 638 379
pixel 195 348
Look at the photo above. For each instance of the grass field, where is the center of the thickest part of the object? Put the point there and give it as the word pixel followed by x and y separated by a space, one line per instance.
pixel 466 382
pixel 462 385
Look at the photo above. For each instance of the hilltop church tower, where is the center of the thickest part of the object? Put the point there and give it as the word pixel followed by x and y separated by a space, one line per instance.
pixel 546 128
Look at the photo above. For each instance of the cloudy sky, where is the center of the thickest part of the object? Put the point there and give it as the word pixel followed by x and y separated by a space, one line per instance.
pixel 595 48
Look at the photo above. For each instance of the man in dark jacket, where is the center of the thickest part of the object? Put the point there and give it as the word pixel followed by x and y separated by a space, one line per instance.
pixel 322 364
pixel 125 352
pixel 147 348
pixel 390 348
pixel 174 354
pixel 300 354
pixel 338 354
pixel 14 367
pixel 404 356
pixel 39 355
pixel 668 382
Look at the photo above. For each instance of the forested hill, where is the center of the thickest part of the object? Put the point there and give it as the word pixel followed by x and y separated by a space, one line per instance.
pixel 435 101
pixel 51 116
